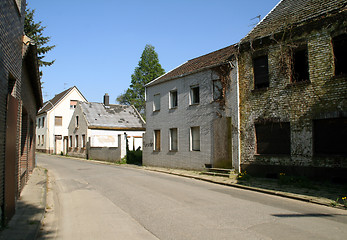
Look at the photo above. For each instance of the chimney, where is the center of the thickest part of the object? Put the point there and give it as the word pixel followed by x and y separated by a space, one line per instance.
pixel 106 99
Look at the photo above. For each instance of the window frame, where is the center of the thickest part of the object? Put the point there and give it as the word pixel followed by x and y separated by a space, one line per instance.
pixel 297 73
pixel 156 143
pixel 171 142
pixel 55 121
pixel 194 95
pixel 173 98
pixel 156 104
pixel 193 141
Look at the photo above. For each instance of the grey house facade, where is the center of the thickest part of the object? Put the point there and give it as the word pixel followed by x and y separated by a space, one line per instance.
pixel 101 131
pixel 190 112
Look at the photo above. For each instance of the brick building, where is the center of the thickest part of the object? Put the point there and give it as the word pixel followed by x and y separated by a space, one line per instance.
pixel 20 99
pixel 293 88
pixel 189 115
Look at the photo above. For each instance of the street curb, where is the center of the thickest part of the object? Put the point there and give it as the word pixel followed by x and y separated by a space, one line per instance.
pixel 44 201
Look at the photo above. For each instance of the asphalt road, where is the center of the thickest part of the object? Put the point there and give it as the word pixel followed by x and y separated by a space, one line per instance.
pixel 97 201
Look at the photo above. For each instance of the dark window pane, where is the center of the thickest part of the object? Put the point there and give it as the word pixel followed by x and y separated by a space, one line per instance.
pixel 261 72
pixel 340 54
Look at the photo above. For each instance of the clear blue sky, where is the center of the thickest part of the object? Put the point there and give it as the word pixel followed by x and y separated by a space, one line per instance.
pixel 99 43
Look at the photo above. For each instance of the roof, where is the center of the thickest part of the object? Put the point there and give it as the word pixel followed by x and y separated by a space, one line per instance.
pixel 194 65
pixel 29 55
pixel 113 116
pixel 54 101
pixel 294 12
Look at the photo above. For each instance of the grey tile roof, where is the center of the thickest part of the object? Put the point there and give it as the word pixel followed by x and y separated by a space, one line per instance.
pixel 293 13
pixel 111 117
pixel 206 61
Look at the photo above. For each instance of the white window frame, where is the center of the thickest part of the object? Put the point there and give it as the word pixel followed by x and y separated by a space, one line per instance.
pixel 171 140
pixel 192 100
pixel 171 99
pixel 192 136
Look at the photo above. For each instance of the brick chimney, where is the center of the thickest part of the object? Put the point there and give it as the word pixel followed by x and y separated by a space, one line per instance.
pixel 106 99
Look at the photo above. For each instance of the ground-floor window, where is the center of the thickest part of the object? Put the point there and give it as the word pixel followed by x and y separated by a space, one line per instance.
pixel 273 138
pixel 195 138
pixel 76 141
pixel 330 136
pixel 70 141
pixel 83 140
pixel 156 140
pixel 173 139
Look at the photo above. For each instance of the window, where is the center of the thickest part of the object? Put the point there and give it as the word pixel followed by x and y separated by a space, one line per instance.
pixel 300 65
pixel 261 72
pixel 76 141
pixel 58 121
pixel 43 121
pixel 329 136
pixel 38 140
pixel 156 102
pixel 43 140
pixel 173 139
pixel 340 54
pixel 39 123
pixel 194 95
pixel 83 140
pixel 70 141
pixel 157 140
pixel 76 122
pixel 173 99
pixel 195 138
pixel 273 138
pixel 73 104
pixel 217 90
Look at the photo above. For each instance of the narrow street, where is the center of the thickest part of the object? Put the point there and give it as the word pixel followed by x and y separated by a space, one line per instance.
pixel 88 200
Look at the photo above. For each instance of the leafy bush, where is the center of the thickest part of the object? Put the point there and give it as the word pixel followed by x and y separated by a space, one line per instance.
pixel 134 157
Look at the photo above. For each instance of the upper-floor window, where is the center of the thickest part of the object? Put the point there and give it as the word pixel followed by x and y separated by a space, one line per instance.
pixel 261 72
pixel 77 122
pixel 195 138
pixel 39 123
pixel 58 121
pixel 73 104
pixel 300 65
pixel 194 95
pixel 43 121
pixel 173 99
pixel 273 138
pixel 173 139
pixel 156 102
pixel 156 140
pixel 217 90
pixel 340 54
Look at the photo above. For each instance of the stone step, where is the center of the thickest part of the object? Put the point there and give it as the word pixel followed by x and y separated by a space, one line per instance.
pixel 219 170
pixel 216 174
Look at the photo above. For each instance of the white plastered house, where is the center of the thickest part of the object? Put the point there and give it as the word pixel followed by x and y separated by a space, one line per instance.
pixel 53 120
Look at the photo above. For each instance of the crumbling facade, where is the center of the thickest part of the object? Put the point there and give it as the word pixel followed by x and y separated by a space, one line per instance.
pixel 293 88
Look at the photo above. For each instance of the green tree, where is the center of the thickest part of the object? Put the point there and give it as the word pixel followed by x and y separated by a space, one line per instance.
pixel 35 31
pixel 148 69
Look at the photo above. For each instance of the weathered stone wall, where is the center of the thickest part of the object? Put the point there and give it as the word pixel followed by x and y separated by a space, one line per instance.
pixel 298 103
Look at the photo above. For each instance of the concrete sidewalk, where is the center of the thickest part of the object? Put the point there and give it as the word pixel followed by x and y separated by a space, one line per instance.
pixel 30 209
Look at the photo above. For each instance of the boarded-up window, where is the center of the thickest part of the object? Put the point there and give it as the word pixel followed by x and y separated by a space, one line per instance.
pixel 173 99
pixel 173 139
pixel 217 90
pixel 156 140
pixel 330 136
pixel 261 72
pixel 340 54
pixel 273 138
pixel 194 95
pixel 156 102
pixel 76 141
pixel 300 65
pixel 58 121
pixel 73 104
pixel 83 140
pixel 195 138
